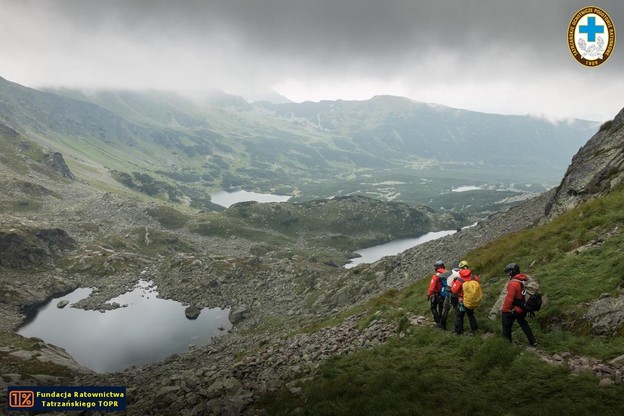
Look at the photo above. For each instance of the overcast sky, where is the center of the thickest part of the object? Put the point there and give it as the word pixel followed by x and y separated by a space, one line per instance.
pixel 499 56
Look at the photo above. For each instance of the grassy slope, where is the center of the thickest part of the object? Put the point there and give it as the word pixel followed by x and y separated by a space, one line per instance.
pixel 432 372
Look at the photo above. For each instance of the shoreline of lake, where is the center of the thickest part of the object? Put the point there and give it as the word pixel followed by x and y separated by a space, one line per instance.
pixel 145 329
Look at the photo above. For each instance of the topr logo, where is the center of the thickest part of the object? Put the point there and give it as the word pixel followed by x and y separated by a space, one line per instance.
pixel 591 36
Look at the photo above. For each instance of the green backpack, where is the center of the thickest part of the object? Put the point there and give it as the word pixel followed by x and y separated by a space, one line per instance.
pixel 473 295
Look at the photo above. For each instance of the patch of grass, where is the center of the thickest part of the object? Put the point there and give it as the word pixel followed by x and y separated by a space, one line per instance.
pixel 217 225
pixel 433 373
pixel 10 339
pixel 606 126
pixel 20 205
pixel 168 217
pixel 148 241
pixel 90 227
pixel 13 365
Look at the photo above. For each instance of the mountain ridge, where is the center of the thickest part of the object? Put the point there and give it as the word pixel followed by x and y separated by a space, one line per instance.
pixel 258 145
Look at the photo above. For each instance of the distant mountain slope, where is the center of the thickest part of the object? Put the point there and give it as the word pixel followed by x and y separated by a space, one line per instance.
pixel 45 113
pixel 397 127
pixel 414 152
pixel 380 132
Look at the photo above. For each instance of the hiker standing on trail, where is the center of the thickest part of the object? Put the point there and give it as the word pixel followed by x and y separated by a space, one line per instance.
pixel 450 300
pixel 511 309
pixel 465 275
pixel 437 291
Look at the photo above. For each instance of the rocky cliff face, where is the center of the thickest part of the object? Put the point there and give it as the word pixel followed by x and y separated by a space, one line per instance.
pixel 595 169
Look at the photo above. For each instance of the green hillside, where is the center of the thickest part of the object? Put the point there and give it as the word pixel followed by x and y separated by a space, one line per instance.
pixel 347 223
pixel 577 258
pixel 390 148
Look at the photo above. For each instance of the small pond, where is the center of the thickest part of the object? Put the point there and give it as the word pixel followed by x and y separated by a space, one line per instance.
pixel 372 254
pixel 467 188
pixel 148 329
pixel 226 199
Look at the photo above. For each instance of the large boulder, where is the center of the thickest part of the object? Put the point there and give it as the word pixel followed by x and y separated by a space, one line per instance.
pixel 57 163
pixel 606 315
pixel 239 314
pixel 192 312
pixel 57 240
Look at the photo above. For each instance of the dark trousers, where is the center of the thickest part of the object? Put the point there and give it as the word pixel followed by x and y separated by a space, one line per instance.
pixel 508 320
pixel 449 302
pixel 459 320
pixel 436 305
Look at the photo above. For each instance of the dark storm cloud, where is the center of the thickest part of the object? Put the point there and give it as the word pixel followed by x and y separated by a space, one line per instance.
pixel 421 47
pixel 355 28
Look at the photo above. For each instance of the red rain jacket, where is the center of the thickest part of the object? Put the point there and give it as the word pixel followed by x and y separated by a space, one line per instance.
pixel 435 286
pixel 514 292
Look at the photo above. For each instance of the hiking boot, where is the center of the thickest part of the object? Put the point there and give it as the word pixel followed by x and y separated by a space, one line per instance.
pixel 533 344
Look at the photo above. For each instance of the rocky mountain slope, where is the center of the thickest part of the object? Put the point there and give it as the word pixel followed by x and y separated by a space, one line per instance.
pixel 596 169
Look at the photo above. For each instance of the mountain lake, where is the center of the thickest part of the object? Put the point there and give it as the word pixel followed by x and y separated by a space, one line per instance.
pixel 227 199
pixel 148 329
pixel 374 253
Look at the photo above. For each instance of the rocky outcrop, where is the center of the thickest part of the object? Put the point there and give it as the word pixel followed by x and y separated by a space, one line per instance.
pixel 595 169
pixel 56 162
pixel 606 315
pixel 7 131
pixel 57 240
pixel 46 363
pixel 23 249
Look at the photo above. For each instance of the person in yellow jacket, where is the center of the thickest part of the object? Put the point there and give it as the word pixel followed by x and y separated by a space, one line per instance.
pixel 465 274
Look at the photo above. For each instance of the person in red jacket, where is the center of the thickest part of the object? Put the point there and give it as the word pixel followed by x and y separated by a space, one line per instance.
pixel 457 289
pixel 450 301
pixel 434 294
pixel 511 310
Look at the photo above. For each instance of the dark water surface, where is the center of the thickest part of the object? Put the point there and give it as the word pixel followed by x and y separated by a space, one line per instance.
pixel 147 330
